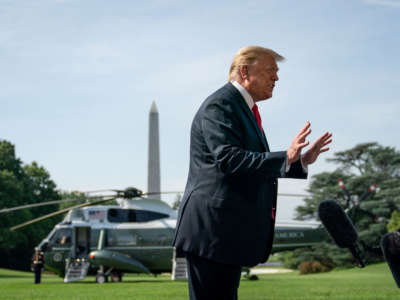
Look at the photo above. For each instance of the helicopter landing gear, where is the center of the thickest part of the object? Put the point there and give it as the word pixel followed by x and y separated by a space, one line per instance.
pixel 116 276
pixel 249 276
pixel 101 277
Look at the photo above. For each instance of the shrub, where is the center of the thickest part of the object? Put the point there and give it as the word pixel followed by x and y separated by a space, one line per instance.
pixel 309 267
pixel 394 222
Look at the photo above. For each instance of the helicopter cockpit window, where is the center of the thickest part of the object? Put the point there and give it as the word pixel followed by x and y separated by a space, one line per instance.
pixel 62 238
pixel 118 215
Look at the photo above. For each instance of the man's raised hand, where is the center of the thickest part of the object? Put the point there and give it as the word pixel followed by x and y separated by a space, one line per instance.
pixel 299 142
pixel 318 147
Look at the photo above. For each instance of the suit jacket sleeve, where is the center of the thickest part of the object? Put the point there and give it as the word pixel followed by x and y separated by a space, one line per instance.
pixel 296 171
pixel 224 137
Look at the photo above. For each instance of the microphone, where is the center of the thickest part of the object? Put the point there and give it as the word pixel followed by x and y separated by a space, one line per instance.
pixel 390 244
pixel 340 228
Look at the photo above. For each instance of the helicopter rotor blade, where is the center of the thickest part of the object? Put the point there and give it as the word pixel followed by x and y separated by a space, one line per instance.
pixel 102 191
pixel 161 193
pixel 5 210
pixel 59 212
pixel 145 198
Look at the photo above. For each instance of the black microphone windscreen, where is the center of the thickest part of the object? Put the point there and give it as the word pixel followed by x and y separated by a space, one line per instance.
pixel 337 223
pixel 390 245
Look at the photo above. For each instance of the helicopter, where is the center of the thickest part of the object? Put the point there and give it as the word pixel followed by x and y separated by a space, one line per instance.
pixel 134 236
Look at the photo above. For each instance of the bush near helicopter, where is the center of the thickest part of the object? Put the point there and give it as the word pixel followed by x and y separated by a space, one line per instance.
pixel 134 236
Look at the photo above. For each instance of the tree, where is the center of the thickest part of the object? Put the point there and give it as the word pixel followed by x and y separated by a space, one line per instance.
pixel 177 201
pixel 19 185
pixel 359 167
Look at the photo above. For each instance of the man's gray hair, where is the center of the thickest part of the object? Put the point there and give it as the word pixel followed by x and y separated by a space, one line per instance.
pixel 249 56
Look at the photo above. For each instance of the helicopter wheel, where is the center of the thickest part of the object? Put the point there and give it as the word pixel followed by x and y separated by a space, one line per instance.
pixel 101 278
pixel 253 277
pixel 116 277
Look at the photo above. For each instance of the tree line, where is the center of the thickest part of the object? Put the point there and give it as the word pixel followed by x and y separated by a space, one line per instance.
pixel 22 184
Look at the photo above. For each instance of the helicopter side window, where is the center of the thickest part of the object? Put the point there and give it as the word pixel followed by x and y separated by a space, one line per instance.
pixel 118 215
pixel 121 237
pixel 147 216
pixel 62 238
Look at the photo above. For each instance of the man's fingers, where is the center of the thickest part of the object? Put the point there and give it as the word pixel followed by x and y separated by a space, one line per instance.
pixel 302 136
pixel 306 126
pixel 321 144
pixel 323 139
pixel 326 136
pixel 323 150
pixel 304 129
pixel 302 145
pixel 327 142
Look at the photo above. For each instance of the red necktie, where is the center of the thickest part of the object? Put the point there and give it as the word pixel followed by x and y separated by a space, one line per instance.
pixel 258 119
pixel 257 116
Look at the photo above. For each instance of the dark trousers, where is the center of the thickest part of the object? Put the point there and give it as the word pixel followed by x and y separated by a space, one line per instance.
pixel 37 276
pixel 209 280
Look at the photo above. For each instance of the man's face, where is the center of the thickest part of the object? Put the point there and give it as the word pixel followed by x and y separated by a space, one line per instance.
pixel 262 77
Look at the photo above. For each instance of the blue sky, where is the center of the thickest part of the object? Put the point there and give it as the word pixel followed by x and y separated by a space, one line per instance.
pixel 78 79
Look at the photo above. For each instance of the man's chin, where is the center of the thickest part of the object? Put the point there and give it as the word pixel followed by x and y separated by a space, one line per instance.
pixel 267 97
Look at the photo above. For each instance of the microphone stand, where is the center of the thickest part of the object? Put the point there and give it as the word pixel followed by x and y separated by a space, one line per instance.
pixel 356 252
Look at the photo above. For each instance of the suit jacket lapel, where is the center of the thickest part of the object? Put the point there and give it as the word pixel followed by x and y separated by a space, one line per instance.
pixel 243 105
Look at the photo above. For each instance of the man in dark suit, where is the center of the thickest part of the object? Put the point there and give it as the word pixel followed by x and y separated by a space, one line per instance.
pixel 227 215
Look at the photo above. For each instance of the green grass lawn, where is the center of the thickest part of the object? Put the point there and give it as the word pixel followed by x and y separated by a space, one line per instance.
pixel 374 283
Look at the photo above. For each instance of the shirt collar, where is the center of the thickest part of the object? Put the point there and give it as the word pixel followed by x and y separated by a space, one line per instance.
pixel 247 97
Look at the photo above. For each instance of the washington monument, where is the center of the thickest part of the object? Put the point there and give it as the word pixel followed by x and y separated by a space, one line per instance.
pixel 153 172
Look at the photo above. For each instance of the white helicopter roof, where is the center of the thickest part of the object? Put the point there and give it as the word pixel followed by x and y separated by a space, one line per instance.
pixel 148 204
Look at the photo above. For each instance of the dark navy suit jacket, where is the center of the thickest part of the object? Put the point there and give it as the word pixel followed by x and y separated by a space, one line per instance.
pixel 225 213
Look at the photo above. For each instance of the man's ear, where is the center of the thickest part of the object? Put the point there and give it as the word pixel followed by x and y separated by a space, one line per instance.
pixel 243 71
